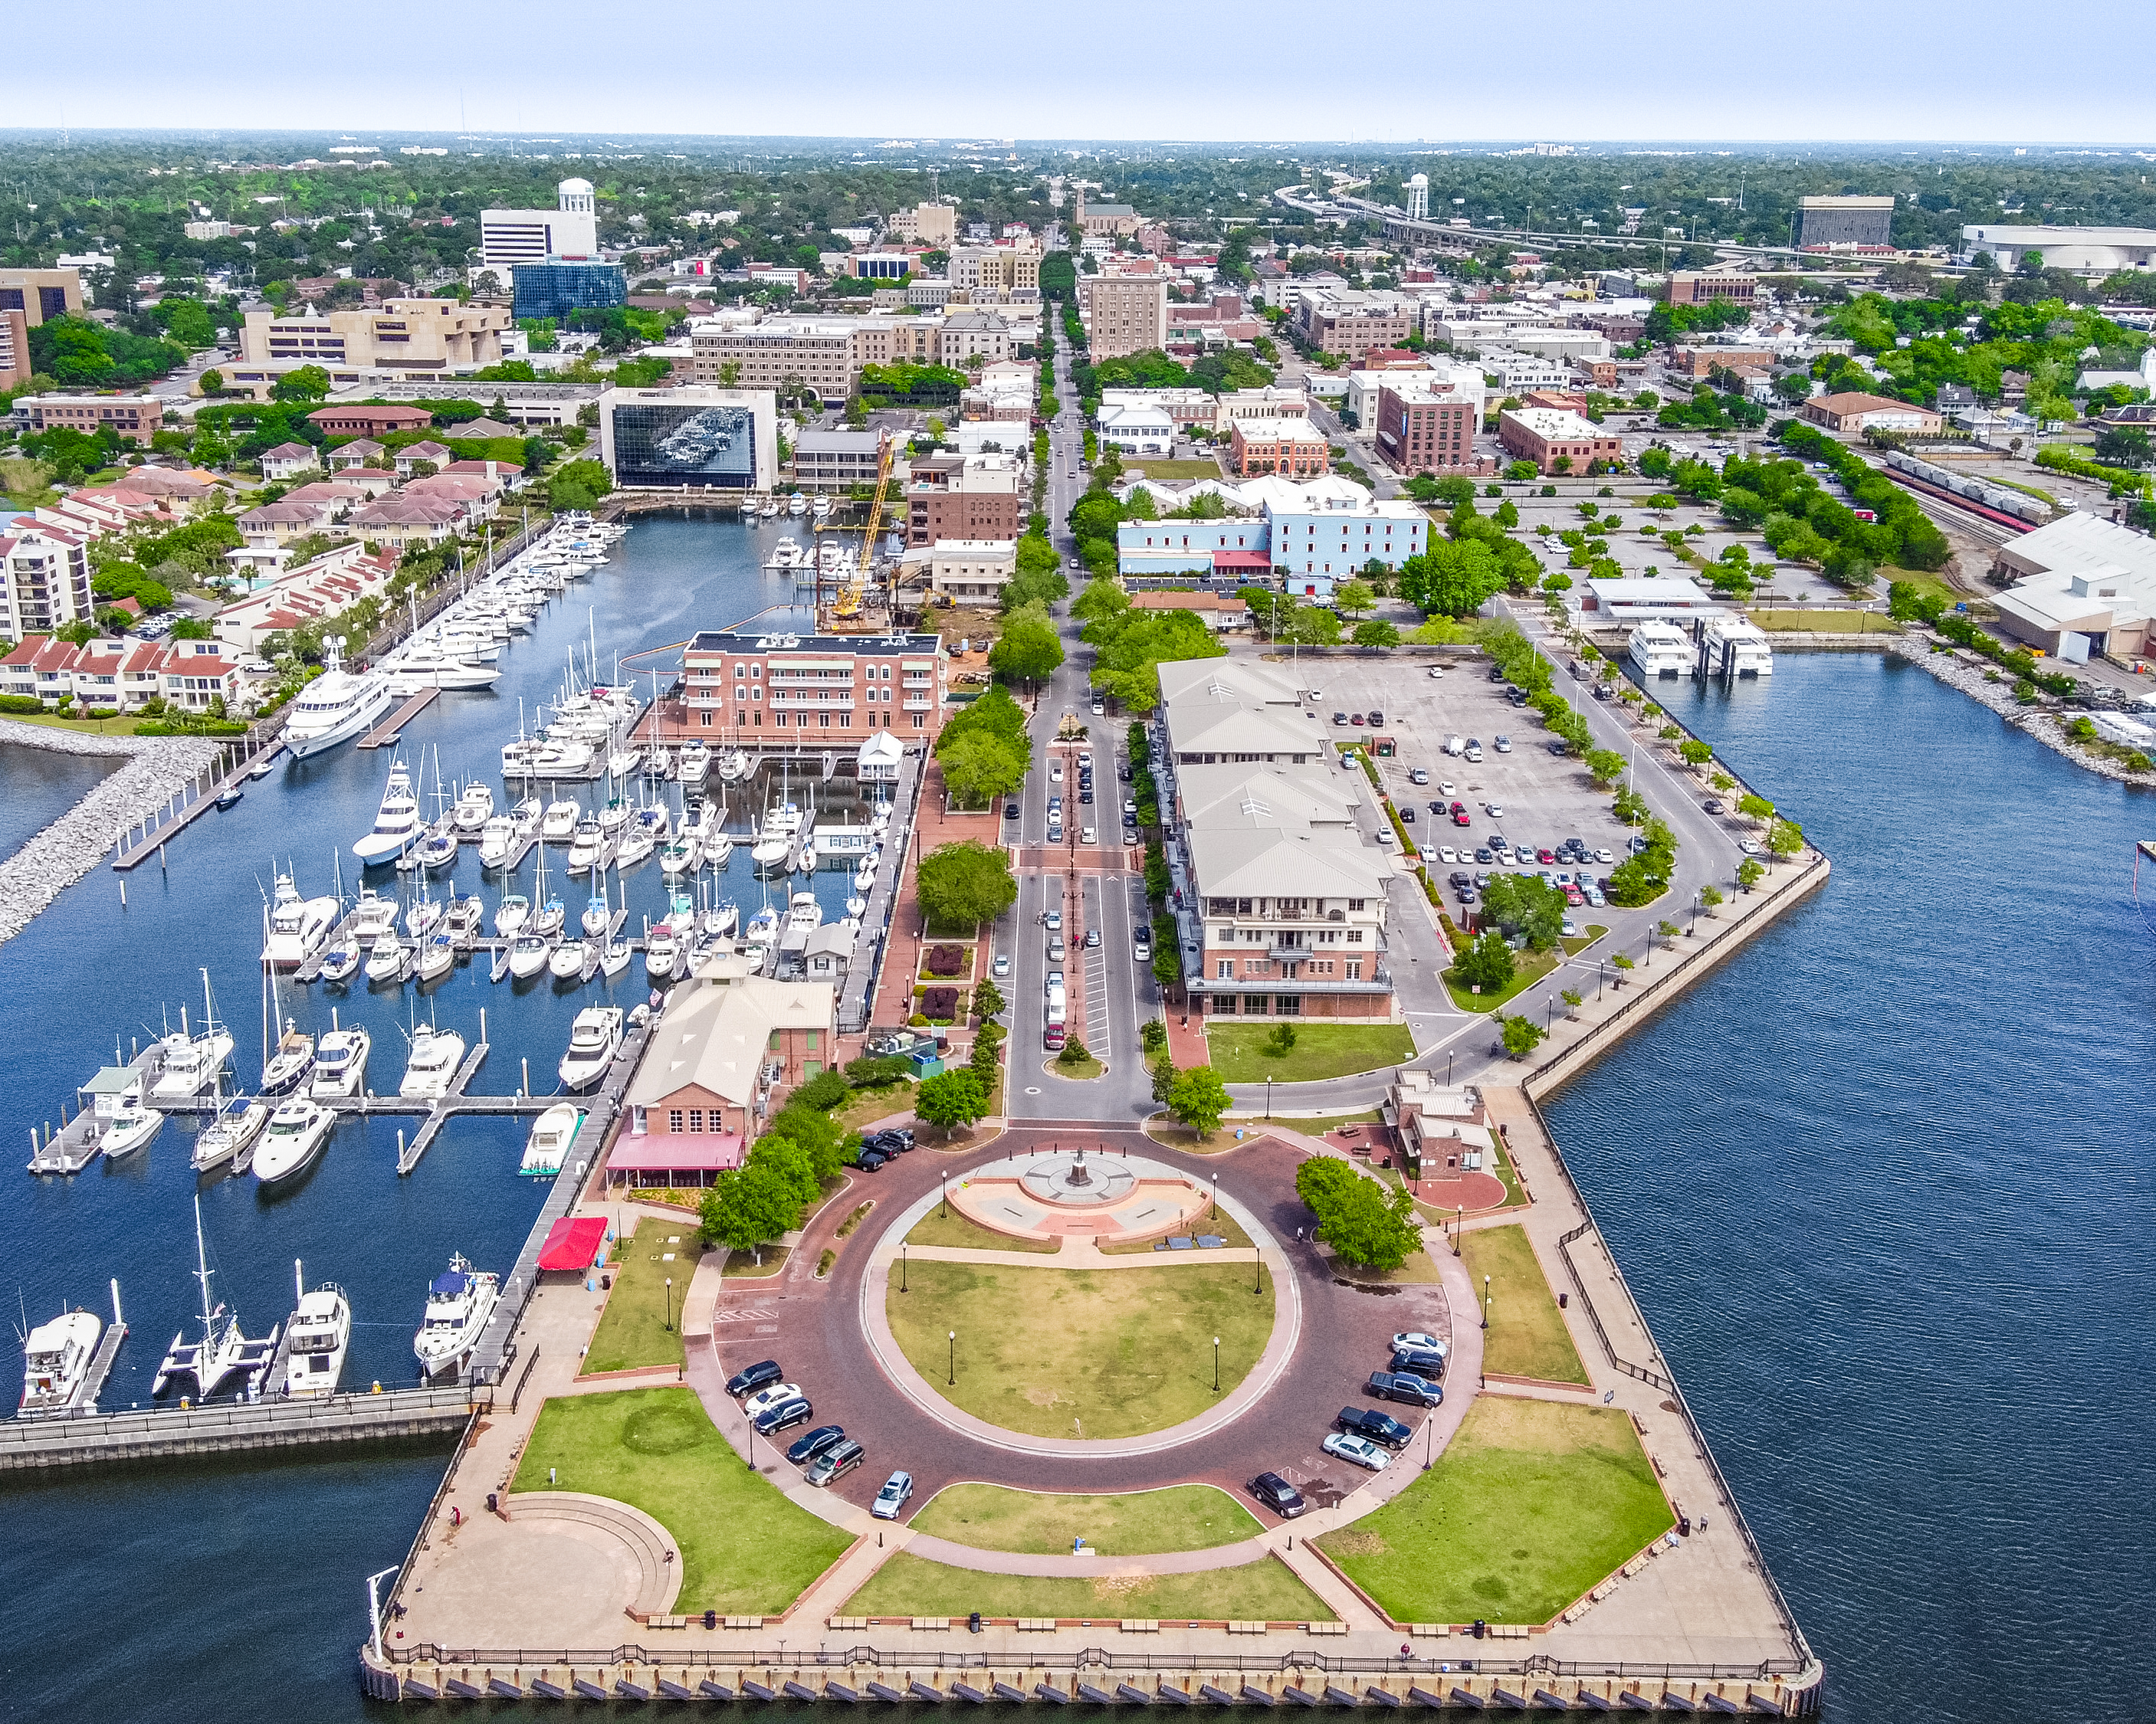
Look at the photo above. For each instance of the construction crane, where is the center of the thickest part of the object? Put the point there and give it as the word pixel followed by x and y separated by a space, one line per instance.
pixel 846 605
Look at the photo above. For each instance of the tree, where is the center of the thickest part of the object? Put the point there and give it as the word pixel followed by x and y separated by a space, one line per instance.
pixel 964 885
pixel 988 1000
pixel 1754 807
pixel 1487 963
pixel 1696 754
pixel 1030 650
pixel 308 382
pixel 1309 626
pixel 1376 633
pixel 212 382
pixel 1785 837
pixel 1526 903
pixel 1322 1181
pixel 1198 1099
pixel 749 1206
pixel 578 484
pixel 1749 874
pixel 1352 598
pixel 1573 999
pixel 1371 1229
pixel 1521 1034
pixel 1164 1076
pixel 950 1099
pixel 1605 766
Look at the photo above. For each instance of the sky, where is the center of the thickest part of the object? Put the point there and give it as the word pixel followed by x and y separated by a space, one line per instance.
pixel 1826 70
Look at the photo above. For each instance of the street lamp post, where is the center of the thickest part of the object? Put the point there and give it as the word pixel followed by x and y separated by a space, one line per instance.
pixel 1216 1364
pixel 1269 1096
pixel 1459 1225
pixel 374 1608
pixel 946 1196
pixel 950 1380
pixel 1485 1301
pixel 670 1304
pixel 1259 1286
pixel 1430 1446
pixel 901 1265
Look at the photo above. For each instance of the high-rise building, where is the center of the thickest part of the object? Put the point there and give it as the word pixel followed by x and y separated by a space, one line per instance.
pixel 410 335
pixel 1126 314
pixel 557 286
pixel 14 351
pixel 693 436
pixel 41 294
pixel 530 236
pixel 1845 220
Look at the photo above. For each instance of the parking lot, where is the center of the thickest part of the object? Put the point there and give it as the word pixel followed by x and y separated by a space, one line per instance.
pixel 1542 801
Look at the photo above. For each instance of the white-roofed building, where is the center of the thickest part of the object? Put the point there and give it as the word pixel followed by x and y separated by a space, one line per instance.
pixel 2081 585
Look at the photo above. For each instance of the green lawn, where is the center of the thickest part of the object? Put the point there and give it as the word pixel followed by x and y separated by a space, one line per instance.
pixel 742 1264
pixel 1775 619
pixel 1416 1269
pixel 1263 1591
pixel 1528 967
pixel 1076 1071
pixel 956 1230
pixel 1164 470
pixel 745 1550
pixel 1526 1336
pixel 894 1101
pixel 1184 1517
pixel 1531 1504
pixel 1320 1050
pixel 1309 1128
pixel 1060 1353
pixel 634 1329
pixel 1216 1220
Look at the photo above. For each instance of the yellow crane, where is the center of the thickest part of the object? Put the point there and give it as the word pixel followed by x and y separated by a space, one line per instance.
pixel 846 606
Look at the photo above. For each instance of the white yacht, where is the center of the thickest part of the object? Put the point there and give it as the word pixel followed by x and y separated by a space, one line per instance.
pixel 616 957
pixel 696 762
pixel 560 820
pixel 552 1134
pixel 797 505
pixel 192 1062
pixel 510 917
pixel 299 927
pixel 130 1126
pixel 1736 644
pixel 397 825
pixel 459 1303
pixel 437 849
pixel 387 962
pixel 735 766
pixel 293 1063
pixel 594 1039
pixel 317 1335
pixel 496 839
pixel 297 1131
pixel 529 955
pixel 678 857
pixel 427 664
pixel 786 554
pixel 372 915
pixel 341 1063
pixel 335 706
pixel 437 1055
pixel 763 926
pixel 597 916
pixel 566 961
pixel 226 1138
pixel 1658 649
pixel 223 1353
pixel 661 952
pixel 475 809
pixel 718 849
pixel 424 911
pixel 343 958
pixel 587 845
pixel 804 915
pixel 437 957
pixel 56 1361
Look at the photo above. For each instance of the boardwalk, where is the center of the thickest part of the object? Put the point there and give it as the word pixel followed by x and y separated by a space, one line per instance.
pixel 226 1428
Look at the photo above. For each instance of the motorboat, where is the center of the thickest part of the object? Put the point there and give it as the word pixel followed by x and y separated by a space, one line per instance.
pixel 465 918
pixel 559 821
pixel 397 825
pixel 344 957
pixel 226 1137
pixel 773 855
pixel 735 766
pixel 130 1126
pixel 718 849
pixel 804 915
pixel 566 961
pixel 496 839
pixel 797 505
pixel 820 508
pixel 372 915
pixel 661 952
pixel 292 1066
pixel 757 956
pixel 696 762
pixel 511 914
pixel 224 1354
pixel 341 1063
pixel 426 664
pixel 387 962
pixel 317 1336
pixel 193 1062
pixel 299 927
pixel 586 846
pixel 769 509
pixel 594 1039
pixel 474 811
pixel 529 955
pixel 437 957
pixel 437 1056
pixel 425 910
pixel 552 1134
pixel 616 958
pixel 297 1131
pixel 635 846
pixel 459 1303
pixel 565 757
pixel 335 706
pixel 57 1356
pixel 437 849
pixel 785 555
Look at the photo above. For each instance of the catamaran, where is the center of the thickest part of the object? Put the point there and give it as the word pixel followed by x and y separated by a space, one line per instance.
pixel 223 1353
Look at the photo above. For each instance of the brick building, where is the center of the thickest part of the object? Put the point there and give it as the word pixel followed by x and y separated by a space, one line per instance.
pixel 770 688
pixel 1548 435
pixel 1294 449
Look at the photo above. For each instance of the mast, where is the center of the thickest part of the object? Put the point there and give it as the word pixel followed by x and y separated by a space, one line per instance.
pixel 203 1275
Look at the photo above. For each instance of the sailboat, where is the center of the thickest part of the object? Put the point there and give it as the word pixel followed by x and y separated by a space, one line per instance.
pixel 548 920
pixel 222 1353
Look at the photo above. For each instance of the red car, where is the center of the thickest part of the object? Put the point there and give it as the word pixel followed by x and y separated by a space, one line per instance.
pixel 1574 897
pixel 1462 818
pixel 1356 718
pixel 1546 857
pixel 1459 808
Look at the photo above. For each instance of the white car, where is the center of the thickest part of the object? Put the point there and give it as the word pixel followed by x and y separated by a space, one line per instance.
pixel 1055 922
pixel 1098 709
pixel 1446 853
pixel 893 1497
pixel 1054 978
pixel 1495 810
pixel 1603 856
pixel 764 1399
pixel 1444 787
pixel 1747 848
pixel 1435 673
pixel 1086 835
pixel 1361 1451
pixel 1419 1341
pixel 1055 774
pixel 1571 929
pixel 1504 745
pixel 1001 967
pixel 1427 856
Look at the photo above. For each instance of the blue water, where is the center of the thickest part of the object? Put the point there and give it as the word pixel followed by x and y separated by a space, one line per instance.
pixel 36 785
pixel 1881 1185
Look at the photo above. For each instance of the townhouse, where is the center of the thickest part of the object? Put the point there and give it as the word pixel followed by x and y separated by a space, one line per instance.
pixel 122 675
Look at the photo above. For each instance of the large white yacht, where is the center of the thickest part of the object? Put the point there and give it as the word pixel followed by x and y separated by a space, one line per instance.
pixel 552 1134
pixel 299 927
pixel 317 1335
pixel 1736 645
pixel 298 1130
pixel 397 824
pixel 594 1039
pixel 459 1303
pixel 340 1062
pixel 436 1056
pixel 335 706
pixel 1658 649
pixel 193 1062
pixel 56 1360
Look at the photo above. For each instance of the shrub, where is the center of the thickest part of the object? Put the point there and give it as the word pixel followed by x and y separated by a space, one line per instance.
pixel 940 1004
pixel 945 960
pixel 875 1072
pixel 1074 1053
pixel 823 1092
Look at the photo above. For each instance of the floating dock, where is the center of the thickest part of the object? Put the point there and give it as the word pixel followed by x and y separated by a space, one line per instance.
pixel 385 734
pixel 77 1143
pixel 28 1444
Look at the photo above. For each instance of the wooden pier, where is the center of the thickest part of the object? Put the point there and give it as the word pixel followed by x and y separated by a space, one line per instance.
pixel 385 734
pixel 439 1115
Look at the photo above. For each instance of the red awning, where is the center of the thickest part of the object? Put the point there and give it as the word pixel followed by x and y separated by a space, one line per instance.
pixel 1256 560
pixel 573 1242
pixel 704 1153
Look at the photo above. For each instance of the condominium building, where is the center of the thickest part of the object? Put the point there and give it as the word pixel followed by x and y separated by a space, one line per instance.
pixel 15 369
pixel 996 268
pixel 972 571
pixel 931 224
pixel 436 335
pixel 529 236
pixel 135 418
pixel 827 353
pixel 963 497
pixel 1555 440
pixel 1267 403
pixel 1351 323
pixel 1428 427
pixel 44 578
pixel 1700 288
pixel 772 688
pixel 1325 542
pixel 1126 314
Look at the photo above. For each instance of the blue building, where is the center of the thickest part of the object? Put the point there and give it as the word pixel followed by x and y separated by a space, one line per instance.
pixel 560 285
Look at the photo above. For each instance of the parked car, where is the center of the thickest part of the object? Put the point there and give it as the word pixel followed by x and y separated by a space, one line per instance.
pixel 1356 718
pixel 870 1160
pixel 783 1417
pixel 1276 1494
pixel 1056 948
pixel 1713 805
pixel 1503 743
pixel 771 1396
pixel 1377 717
pixel 1570 929
pixel 1407 814
pixel 1051 1038
pixel 808 1448
pixel 834 1463
pixel 1092 935
pixel 1403 1386
pixel 1055 921
pixel 1419 1338
pixel 1416 775
pixel 1603 856
pixel 1001 967
pixel 1086 835
pixel 755 1377
pixel 1360 1451
pixel 1010 811
pixel 1435 672
pixel 1463 818
pixel 897 1489
pixel 1378 1427
pixel 1419 1362
pixel 1340 718
pixel 1559 747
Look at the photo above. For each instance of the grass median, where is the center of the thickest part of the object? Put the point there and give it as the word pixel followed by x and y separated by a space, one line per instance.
pixel 1531 1504
pixel 1526 1336
pixel 745 1550
pixel 963 1233
pixel 1320 1050
pixel 1263 1591
pixel 1183 1517
pixel 642 1322
pixel 1091 1353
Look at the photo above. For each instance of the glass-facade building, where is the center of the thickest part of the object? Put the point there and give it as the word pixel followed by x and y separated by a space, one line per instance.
pixel 557 287
pixel 657 444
